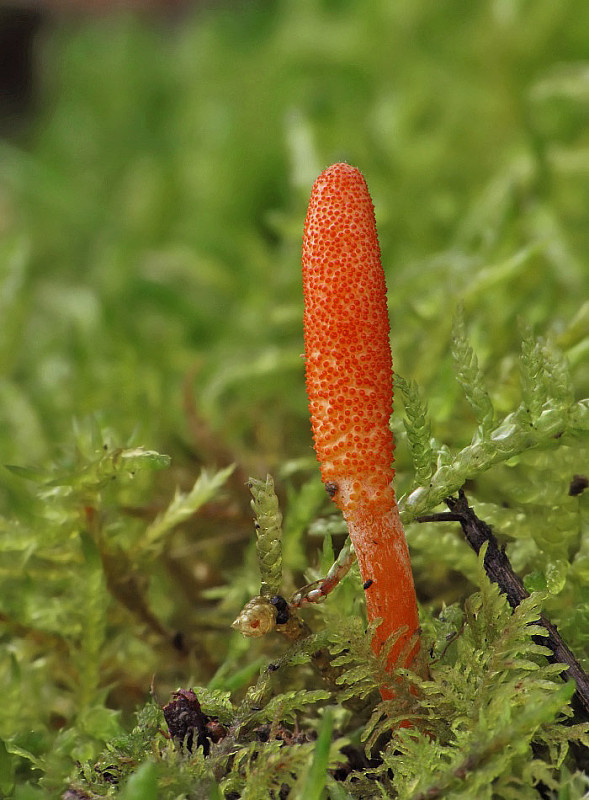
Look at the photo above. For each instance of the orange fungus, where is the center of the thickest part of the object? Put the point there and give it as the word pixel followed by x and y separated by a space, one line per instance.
pixel 349 384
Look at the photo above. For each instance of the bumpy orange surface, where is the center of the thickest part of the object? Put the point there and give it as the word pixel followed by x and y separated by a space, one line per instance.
pixel 348 357
pixel 349 384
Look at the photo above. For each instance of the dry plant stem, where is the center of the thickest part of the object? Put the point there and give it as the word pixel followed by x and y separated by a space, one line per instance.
pixel 318 591
pixel 500 571
pixel 349 384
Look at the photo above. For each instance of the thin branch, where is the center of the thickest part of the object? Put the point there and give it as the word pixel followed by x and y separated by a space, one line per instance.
pixel 500 571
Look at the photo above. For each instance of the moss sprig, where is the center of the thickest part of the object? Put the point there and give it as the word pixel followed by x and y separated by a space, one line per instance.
pixel 268 524
pixel 470 376
pixel 182 506
pixel 418 428
pixel 546 414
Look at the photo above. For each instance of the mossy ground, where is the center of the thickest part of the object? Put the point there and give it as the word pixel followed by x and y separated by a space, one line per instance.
pixel 150 303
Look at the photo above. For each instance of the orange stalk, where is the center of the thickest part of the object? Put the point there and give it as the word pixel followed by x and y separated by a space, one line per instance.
pixel 350 389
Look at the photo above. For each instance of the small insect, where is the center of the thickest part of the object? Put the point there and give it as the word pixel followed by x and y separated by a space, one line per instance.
pixel 578 485
pixel 367 584
pixel 281 606
pixel 331 488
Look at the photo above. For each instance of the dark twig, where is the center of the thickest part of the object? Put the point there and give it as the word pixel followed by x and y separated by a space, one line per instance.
pixel 500 571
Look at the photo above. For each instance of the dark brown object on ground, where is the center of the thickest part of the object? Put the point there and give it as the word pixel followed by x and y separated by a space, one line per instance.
pixel 185 718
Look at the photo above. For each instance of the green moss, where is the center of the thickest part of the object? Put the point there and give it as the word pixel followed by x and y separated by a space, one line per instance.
pixel 151 303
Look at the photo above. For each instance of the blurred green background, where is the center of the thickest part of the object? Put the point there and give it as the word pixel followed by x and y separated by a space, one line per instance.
pixel 151 209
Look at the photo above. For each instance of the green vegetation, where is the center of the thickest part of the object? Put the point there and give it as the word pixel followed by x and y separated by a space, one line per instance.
pixel 151 326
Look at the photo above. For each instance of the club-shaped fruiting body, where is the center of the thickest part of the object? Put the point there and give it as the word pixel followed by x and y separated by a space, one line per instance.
pixel 349 385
